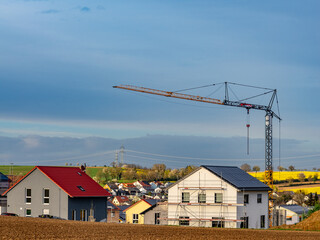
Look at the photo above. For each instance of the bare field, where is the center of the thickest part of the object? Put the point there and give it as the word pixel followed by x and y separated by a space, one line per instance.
pixel 35 228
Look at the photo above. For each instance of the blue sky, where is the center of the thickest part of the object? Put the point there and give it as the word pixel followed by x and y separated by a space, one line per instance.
pixel 60 59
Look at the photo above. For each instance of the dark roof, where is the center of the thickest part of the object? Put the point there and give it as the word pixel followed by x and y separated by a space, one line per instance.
pixel 296 208
pixel 122 215
pixel 123 207
pixel 72 180
pixel 152 201
pixel 4 178
pixel 238 178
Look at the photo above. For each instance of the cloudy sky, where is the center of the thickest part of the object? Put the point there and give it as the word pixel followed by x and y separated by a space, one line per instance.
pixel 60 59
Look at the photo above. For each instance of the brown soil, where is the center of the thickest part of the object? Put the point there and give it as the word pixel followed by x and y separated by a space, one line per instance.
pixel 311 223
pixel 35 228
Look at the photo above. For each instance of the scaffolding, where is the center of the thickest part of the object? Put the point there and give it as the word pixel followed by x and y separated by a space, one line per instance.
pixel 200 204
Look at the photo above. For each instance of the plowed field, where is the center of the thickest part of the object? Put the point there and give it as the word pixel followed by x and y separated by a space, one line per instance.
pixel 33 228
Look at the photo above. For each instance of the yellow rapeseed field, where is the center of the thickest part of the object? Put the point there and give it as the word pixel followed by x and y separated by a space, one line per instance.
pixel 284 175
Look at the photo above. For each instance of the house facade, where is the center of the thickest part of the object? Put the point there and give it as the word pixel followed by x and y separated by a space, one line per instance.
pixel 133 213
pixel 113 213
pixel 293 213
pixel 121 200
pixel 218 196
pixel 64 192
pixel 156 214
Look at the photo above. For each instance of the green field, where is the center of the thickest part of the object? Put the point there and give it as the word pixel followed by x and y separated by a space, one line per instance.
pixel 22 170
pixel 15 170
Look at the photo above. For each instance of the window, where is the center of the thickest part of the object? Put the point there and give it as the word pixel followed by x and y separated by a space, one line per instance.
pixel 83 215
pixel 246 198
pixel 135 218
pixel 245 223
pixel 184 221
pixel 45 211
pixel 156 218
pixel 74 215
pixel 289 218
pixel 202 198
pixel 81 188
pixel 113 214
pixel 259 198
pixel 28 195
pixel 218 223
pixel 28 212
pixel 185 197
pixel 46 196
pixel 262 221
pixel 218 197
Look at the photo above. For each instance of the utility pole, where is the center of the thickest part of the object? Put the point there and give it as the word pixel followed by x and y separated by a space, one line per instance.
pixel 122 154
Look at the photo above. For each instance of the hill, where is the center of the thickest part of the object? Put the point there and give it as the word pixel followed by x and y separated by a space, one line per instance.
pixel 311 223
pixel 37 228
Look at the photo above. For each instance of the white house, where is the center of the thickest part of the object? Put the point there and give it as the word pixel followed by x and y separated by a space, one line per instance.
pixel 294 213
pixel 218 196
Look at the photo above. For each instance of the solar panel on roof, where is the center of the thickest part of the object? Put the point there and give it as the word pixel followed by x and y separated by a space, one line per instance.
pixel 237 177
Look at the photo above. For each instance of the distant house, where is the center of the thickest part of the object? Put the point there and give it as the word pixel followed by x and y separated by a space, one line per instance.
pixel 121 200
pixel 113 213
pixel 133 213
pixel 294 213
pixel 140 184
pixel 65 192
pixel 218 196
pixel 156 214
pixel 4 185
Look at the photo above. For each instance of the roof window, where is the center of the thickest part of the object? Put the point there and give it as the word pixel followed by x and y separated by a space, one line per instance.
pixel 81 188
pixel 79 173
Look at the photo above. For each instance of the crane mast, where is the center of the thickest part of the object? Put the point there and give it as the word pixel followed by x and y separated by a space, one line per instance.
pixel 227 102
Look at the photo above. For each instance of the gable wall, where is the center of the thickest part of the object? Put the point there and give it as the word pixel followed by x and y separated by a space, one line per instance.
pixel 37 181
pixel 137 209
pixel 202 178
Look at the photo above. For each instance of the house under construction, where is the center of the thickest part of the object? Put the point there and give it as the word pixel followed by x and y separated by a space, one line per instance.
pixel 218 196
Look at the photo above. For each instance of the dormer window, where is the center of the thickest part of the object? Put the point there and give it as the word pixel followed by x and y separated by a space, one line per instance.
pixel 81 188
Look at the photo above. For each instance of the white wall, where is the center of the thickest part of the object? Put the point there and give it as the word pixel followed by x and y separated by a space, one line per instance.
pixel 254 210
pixel 202 178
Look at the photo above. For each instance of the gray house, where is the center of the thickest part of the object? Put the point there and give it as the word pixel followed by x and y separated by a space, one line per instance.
pixel 65 192
pixel 157 214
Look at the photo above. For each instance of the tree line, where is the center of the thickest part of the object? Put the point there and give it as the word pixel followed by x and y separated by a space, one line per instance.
pixel 135 172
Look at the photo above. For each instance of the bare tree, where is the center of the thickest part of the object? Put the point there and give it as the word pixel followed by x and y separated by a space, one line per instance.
pixel 246 167
pixel 256 168
pixel 291 168
pixel 302 177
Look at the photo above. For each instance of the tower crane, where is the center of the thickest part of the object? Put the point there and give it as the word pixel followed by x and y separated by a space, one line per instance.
pixel 269 115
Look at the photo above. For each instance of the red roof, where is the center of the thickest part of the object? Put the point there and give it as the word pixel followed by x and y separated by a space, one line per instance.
pixel 122 199
pixel 72 180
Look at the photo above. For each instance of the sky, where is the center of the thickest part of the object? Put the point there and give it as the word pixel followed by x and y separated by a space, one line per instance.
pixel 60 59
